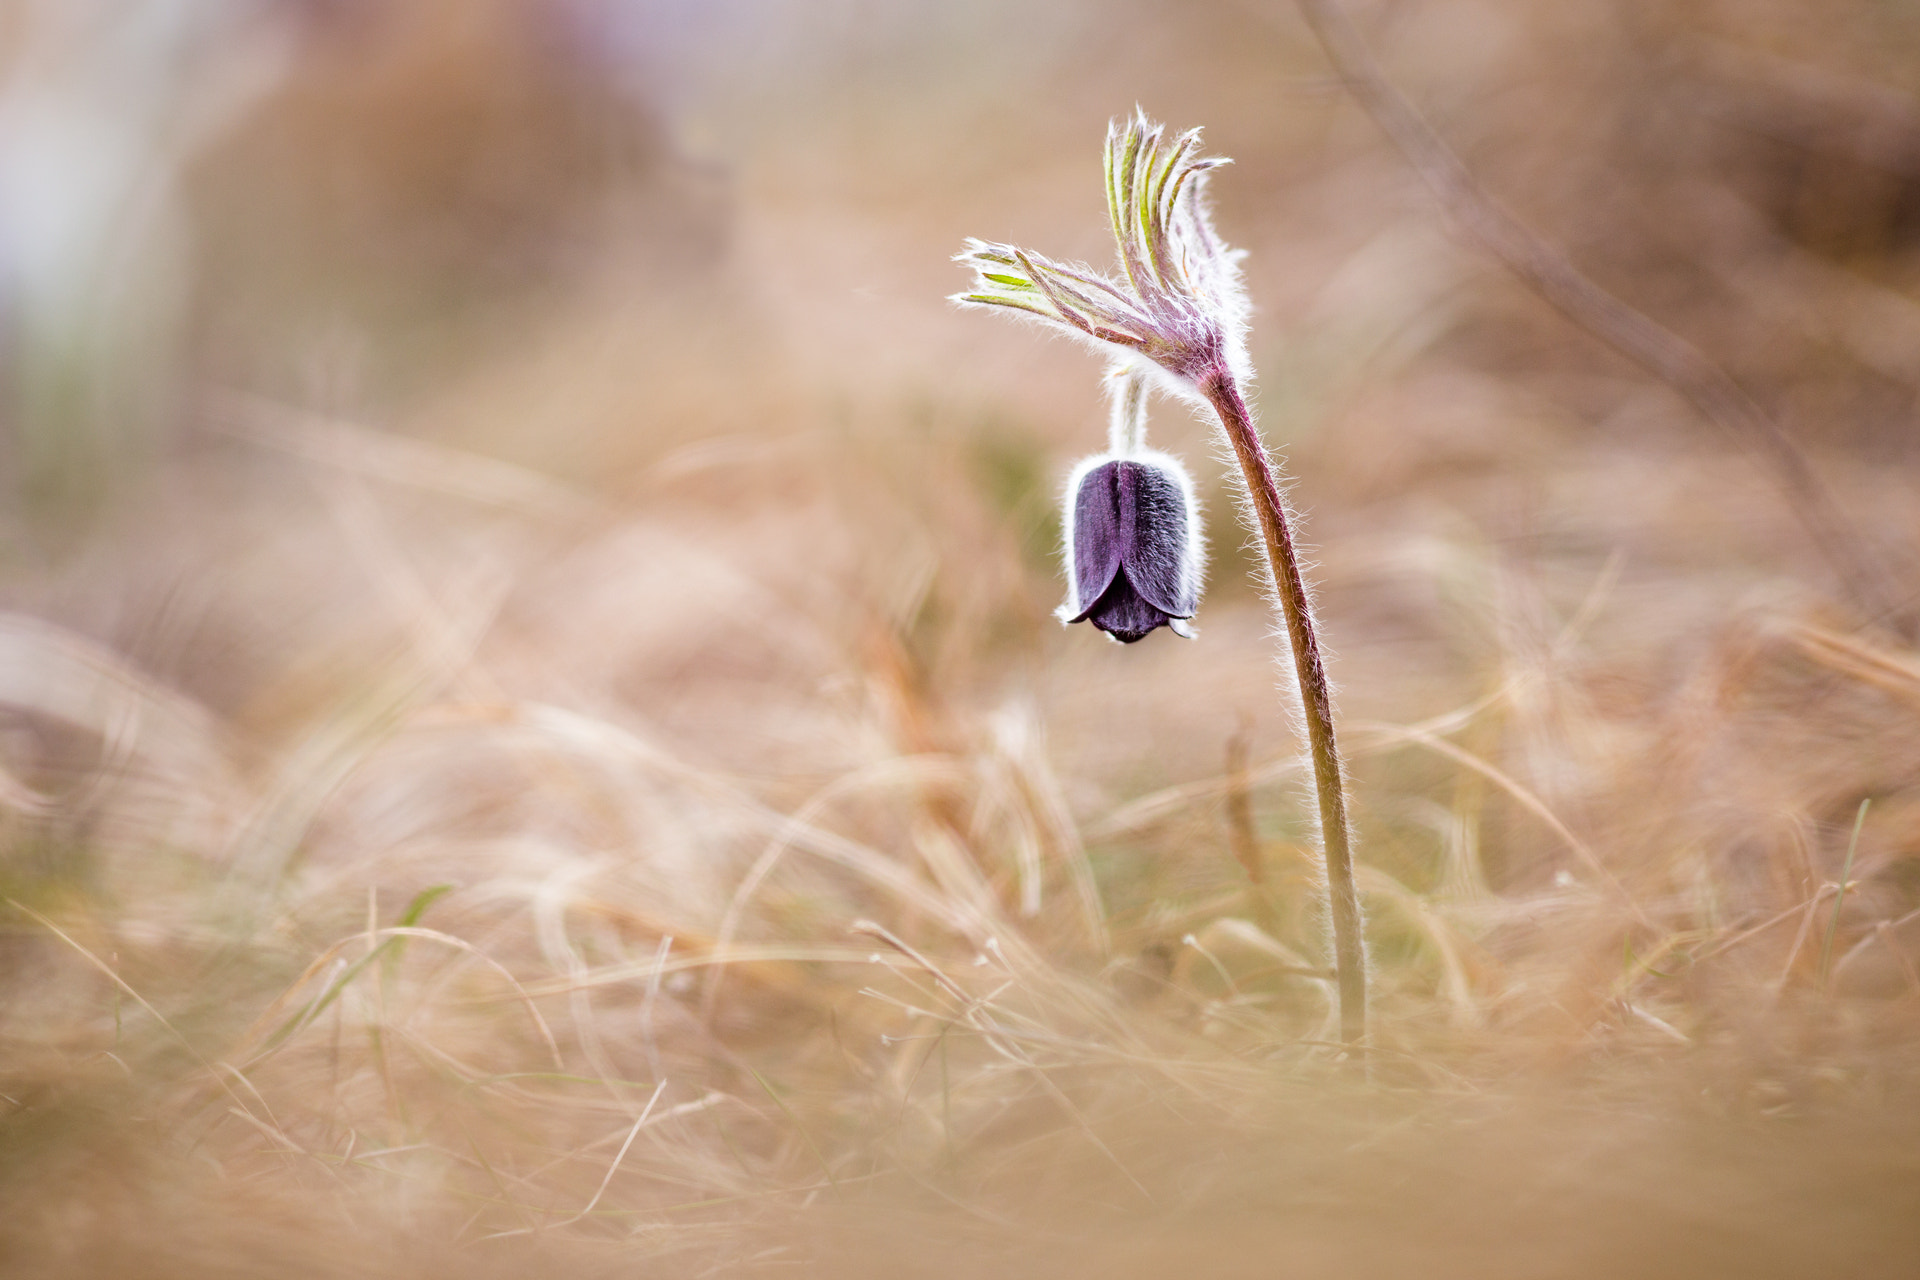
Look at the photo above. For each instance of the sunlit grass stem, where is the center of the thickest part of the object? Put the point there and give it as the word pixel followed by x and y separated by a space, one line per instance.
pixel 1840 896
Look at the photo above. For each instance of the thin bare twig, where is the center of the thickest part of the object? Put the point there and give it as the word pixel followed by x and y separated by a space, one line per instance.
pixel 1480 219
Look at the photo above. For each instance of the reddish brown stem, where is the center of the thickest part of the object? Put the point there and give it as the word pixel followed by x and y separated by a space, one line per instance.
pixel 1316 698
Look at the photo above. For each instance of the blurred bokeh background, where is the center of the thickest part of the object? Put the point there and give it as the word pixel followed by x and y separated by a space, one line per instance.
pixel 507 555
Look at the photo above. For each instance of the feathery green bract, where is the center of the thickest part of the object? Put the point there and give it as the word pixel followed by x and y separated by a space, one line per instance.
pixel 1177 302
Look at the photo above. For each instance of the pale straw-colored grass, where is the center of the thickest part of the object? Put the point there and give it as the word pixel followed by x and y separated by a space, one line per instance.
pixel 475 951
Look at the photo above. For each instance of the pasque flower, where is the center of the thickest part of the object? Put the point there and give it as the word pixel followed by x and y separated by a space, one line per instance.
pixel 1131 562
pixel 1131 538
pixel 1177 313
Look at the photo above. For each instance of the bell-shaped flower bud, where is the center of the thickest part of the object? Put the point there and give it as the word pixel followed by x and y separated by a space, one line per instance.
pixel 1132 546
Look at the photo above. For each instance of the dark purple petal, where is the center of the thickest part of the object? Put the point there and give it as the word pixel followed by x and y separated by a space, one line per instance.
pixel 1122 614
pixel 1132 558
pixel 1155 529
pixel 1098 538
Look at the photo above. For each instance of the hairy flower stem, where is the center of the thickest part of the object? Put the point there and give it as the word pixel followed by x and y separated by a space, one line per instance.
pixel 1316 698
pixel 1127 422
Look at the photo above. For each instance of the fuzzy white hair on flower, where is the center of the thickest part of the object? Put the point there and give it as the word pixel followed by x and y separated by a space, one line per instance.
pixel 1177 305
pixel 1132 545
pixel 1131 540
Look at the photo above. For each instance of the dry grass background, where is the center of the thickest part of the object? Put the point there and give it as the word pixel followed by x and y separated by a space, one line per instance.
pixel 531 740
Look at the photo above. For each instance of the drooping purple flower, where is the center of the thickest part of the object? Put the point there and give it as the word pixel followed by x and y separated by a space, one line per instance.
pixel 1132 546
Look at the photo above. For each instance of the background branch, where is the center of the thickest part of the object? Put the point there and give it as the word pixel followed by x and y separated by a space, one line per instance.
pixel 1479 218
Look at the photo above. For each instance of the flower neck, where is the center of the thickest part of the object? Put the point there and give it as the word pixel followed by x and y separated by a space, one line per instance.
pixel 1127 412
